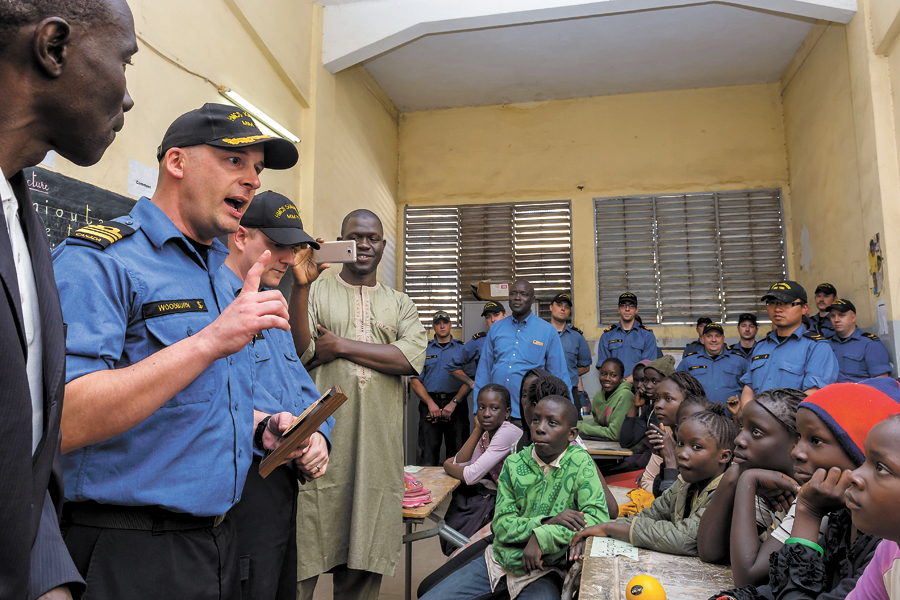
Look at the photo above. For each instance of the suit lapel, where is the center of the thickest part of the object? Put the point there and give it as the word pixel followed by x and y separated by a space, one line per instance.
pixel 52 339
pixel 9 280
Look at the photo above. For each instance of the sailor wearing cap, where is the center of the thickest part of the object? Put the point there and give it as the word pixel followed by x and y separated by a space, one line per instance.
pixel 821 322
pixel 162 439
pixel 443 408
pixel 747 329
pixel 697 345
pixel 717 370
pixel 465 365
pixel 575 347
pixel 627 340
pixel 266 515
pixel 860 355
pixel 790 356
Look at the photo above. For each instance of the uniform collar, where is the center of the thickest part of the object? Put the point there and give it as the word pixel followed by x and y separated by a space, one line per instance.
pixel 705 354
pixel 434 343
pixel 526 320
pixel 618 326
pixel 159 229
pixel 797 333
pixel 856 335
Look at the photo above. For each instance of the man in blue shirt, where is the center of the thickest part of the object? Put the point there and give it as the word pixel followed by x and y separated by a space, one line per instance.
pixel 266 516
pixel 747 329
pixel 628 341
pixel 518 344
pixel 821 322
pixel 860 355
pixel 575 347
pixel 465 365
pixel 443 408
pixel 157 440
pixel 790 356
pixel 697 345
pixel 718 370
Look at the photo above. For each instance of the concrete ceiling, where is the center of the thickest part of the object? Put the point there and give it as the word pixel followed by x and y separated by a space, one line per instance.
pixel 681 47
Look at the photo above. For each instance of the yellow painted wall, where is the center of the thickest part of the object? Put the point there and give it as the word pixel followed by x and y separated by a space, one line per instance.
pixel 827 224
pixel 727 138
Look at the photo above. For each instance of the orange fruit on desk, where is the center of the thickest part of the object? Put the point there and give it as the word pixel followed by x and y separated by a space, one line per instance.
pixel 644 587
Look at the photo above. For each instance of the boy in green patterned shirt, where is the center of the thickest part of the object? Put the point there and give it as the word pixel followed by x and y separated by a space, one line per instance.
pixel 546 493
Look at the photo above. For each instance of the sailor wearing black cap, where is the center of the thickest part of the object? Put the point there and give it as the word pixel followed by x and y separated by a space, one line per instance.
pixel 821 322
pixel 627 340
pixel 697 345
pixel 155 359
pixel 747 329
pixel 266 516
pixel 465 365
pixel 860 355
pixel 443 408
pixel 575 347
pixel 790 356
pixel 717 370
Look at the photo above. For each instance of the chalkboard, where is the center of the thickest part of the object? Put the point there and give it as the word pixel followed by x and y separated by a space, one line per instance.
pixel 66 204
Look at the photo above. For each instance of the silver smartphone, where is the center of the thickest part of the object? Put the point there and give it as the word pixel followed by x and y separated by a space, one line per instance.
pixel 341 251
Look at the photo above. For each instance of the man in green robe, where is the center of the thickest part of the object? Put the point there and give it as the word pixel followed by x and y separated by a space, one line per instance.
pixel 363 336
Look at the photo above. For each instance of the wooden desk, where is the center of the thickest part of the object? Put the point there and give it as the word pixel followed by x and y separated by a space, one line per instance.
pixel 440 485
pixel 683 577
pixel 606 449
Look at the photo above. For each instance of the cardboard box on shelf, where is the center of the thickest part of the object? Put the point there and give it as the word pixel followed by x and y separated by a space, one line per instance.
pixel 489 290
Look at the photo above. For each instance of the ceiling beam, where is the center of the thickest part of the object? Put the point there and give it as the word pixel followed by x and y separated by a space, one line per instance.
pixel 355 32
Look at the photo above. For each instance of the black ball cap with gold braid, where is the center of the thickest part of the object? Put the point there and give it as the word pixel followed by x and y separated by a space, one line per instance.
pixel 786 291
pixel 226 126
pixel 277 217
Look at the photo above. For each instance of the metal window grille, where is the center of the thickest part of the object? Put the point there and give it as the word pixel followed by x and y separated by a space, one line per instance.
pixel 448 249
pixel 689 255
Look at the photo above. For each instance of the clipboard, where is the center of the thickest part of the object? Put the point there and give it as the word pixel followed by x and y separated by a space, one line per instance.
pixel 303 426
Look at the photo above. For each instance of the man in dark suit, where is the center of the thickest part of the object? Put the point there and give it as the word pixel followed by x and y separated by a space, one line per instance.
pixel 62 88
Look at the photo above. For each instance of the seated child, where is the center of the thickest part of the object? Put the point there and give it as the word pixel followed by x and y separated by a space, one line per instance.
pixel 737 521
pixel 705 444
pixel 662 440
pixel 610 403
pixel 478 464
pixel 542 385
pixel 634 426
pixel 669 394
pixel 833 423
pixel 546 493
pixel 872 500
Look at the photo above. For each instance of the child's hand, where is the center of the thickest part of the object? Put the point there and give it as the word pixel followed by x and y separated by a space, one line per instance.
pixel 824 493
pixel 776 487
pixel 638 400
pixel 577 551
pixel 594 530
pixel 531 557
pixel 572 519
pixel 663 443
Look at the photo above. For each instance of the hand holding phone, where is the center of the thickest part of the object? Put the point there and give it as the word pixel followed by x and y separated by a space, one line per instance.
pixel 341 251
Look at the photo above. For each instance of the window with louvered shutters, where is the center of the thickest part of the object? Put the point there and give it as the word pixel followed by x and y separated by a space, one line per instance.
pixel 689 255
pixel 499 242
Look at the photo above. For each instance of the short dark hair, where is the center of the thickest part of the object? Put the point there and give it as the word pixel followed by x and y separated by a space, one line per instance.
pixel 570 413
pixel 615 361
pixel 359 212
pixel 548 385
pixel 496 388
pixel 719 424
pixel 15 14
pixel 692 400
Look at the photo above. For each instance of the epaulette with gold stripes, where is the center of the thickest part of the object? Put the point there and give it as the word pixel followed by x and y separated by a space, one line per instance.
pixel 103 235
pixel 815 336
pixel 578 330
pixel 480 334
pixel 871 336
pixel 610 328
pixel 689 354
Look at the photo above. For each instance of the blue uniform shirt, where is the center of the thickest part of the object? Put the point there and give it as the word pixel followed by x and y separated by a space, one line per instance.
pixel 694 347
pixel 802 361
pixel 745 353
pixel 468 358
pixel 435 375
pixel 515 347
pixel 719 376
pixel 822 325
pixel 575 349
pixel 860 356
pixel 631 347
pixel 140 295
pixel 278 382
